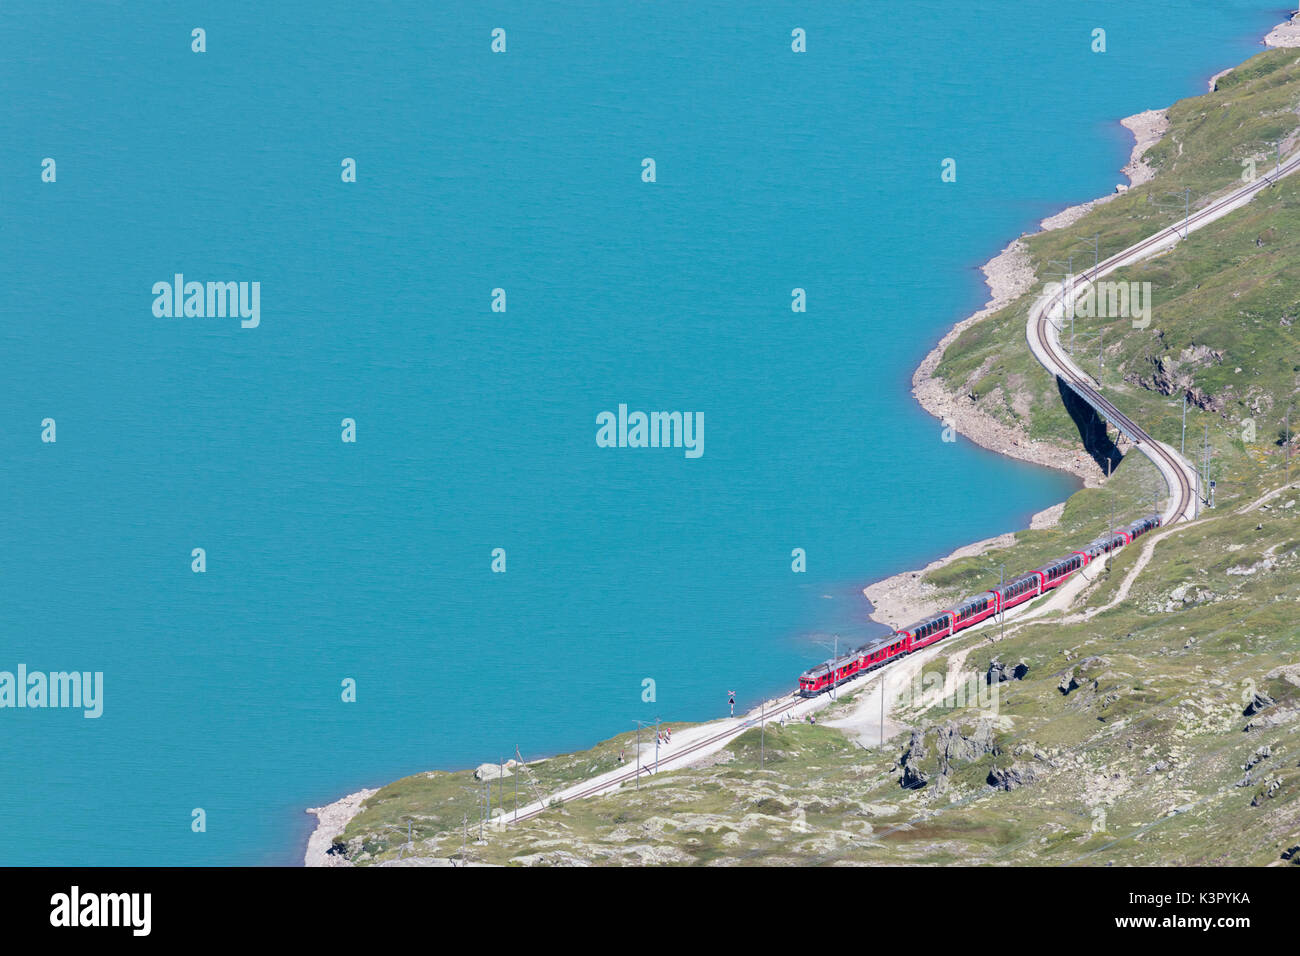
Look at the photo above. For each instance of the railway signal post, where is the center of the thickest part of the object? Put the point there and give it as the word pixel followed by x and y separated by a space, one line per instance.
pixel 657 737
pixel 1182 445
pixel 1067 294
pixel 1093 242
pixel 639 725
pixel 1205 481
pixel 409 844
pixel 478 797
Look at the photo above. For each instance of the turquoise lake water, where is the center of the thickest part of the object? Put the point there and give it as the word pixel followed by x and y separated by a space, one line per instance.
pixel 476 429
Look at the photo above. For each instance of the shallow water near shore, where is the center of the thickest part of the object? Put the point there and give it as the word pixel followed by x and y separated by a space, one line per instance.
pixel 476 430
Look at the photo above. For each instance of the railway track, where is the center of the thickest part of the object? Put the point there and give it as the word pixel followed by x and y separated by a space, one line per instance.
pixel 784 705
pixel 1183 500
pixel 1044 345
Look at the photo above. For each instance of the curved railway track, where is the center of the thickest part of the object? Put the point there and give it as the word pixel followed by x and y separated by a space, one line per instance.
pixel 1041 341
pixel 1181 491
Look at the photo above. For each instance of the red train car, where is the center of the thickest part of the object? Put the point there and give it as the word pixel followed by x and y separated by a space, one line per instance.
pixel 868 657
pixel 973 610
pixel 829 674
pixel 1019 590
pixel 882 650
pixel 969 612
pixel 1059 571
pixel 1103 545
pixel 1141 527
pixel 928 631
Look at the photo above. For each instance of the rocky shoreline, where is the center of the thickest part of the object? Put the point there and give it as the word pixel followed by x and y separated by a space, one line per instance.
pixel 330 822
pixel 1009 275
pixel 901 598
pixel 905 596
pixel 1284 34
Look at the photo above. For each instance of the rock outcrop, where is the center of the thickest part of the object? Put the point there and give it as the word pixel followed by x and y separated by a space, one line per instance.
pixel 1013 777
pixel 934 752
pixel 913 777
pixel 495 771
pixel 1257 703
pixel 1000 672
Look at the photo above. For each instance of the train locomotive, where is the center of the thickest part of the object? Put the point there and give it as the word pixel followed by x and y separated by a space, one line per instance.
pixel 879 651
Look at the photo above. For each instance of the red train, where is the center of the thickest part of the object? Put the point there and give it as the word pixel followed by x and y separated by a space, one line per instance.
pixel 880 651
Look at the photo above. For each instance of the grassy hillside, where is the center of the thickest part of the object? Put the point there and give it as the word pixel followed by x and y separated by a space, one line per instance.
pixel 1142 759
